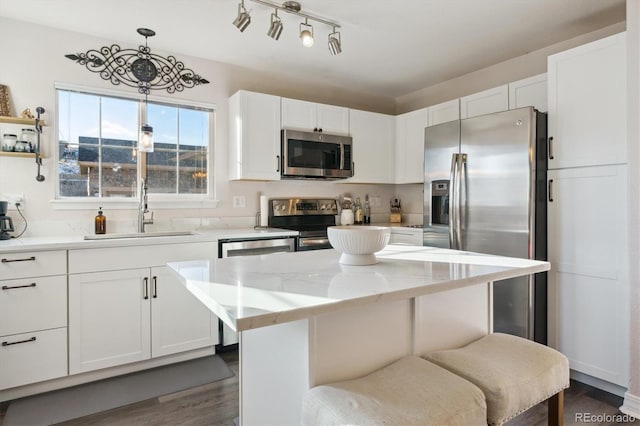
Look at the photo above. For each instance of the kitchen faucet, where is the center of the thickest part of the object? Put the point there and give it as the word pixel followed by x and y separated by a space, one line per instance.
pixel 143 209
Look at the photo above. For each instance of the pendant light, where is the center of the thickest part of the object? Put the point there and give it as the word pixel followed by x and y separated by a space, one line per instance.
pixel 145 141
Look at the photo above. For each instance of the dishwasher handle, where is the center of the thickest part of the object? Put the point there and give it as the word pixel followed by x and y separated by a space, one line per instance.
pixel 252 247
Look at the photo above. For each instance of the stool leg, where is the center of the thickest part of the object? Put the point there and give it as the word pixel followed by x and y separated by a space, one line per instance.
pixel 556 410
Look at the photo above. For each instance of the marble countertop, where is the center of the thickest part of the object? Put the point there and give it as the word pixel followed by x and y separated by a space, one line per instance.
pixel 72 242
pixel 258 291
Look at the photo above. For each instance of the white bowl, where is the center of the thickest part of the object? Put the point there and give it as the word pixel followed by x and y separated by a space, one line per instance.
pixel 358 243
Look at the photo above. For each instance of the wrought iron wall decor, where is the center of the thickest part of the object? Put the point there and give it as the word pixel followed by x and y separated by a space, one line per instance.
pixel 139 68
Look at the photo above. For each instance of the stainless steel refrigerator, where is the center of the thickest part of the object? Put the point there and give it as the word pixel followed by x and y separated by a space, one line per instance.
pixel 485 191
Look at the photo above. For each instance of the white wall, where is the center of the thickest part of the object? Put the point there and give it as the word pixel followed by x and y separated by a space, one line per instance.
pixel 505 72
pixel 632 397
pixel 33 60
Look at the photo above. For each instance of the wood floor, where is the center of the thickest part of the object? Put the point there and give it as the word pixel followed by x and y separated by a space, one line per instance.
pixel 217 404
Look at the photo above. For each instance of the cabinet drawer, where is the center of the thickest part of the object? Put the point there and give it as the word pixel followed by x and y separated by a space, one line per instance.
pixel 33 304
pixel 33 357
pixel 33 264
pixel 118 258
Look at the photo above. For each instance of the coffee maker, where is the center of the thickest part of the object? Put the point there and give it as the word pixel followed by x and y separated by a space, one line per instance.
pixel 6 224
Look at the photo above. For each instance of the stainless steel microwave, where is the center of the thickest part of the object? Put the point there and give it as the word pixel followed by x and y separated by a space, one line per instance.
pixel 316 155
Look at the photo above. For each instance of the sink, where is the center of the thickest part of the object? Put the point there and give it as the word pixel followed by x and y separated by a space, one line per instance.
pixel 139 235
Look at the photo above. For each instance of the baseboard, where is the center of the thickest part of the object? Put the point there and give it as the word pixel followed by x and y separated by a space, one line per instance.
pixel 599 383
pixel 631 405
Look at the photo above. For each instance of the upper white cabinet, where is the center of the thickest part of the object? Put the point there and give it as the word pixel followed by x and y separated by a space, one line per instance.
pixel 410 146
pixel 311 116
pixel 485 102
pixel 373 147
pixel 443 112
pixel 530 91
pixel 587 104
pixel 254 136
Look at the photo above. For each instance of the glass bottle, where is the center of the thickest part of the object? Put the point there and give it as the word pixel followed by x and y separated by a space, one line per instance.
pixel 358 214
pixel 101 223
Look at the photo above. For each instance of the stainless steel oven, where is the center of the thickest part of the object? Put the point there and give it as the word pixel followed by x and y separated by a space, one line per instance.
pixel 316 155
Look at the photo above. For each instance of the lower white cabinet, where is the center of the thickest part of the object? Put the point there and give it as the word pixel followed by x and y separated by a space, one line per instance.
pixel 120 313
pixel 588 281
pixel 33 357
pixel 406 236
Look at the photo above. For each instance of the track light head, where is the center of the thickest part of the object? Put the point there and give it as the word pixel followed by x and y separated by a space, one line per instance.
pixel 275 29
pixel 243 19
pixel 335 44
pixel 306 34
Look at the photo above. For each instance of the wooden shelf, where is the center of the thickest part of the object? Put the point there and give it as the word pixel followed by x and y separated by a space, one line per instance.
pixel 17 120
pixel 18 154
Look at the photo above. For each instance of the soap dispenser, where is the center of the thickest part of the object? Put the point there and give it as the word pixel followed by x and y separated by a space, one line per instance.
pixel 101 223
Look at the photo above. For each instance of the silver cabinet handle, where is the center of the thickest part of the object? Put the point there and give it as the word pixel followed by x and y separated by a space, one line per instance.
pixel 6 287
pixel 33 339
pixel 278 163
pixel 26 259
pixel 155 286
pixel 145 288
pixel 551 190
pixel 550 147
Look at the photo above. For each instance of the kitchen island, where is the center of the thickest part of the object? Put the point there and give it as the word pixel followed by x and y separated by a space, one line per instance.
pixel 304 319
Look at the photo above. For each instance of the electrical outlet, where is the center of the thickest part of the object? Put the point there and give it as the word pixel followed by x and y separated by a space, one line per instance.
pixel 239 201
pixel 376 201
pixel 13 199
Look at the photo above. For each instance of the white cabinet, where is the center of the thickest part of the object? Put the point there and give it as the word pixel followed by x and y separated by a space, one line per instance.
pixel 588 281
pixel 485 102
pixel 373 147
pixel 530 91
pixel 587 104
pixel 409 142
pixel 254 136
pixel 121 314
pixel 443 112
pixel 33 317
pixel 311 116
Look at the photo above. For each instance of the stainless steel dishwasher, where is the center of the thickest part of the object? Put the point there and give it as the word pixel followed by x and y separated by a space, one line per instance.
pixel 231 247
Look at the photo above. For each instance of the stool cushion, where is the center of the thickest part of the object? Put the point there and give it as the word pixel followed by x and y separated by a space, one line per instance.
pixel 514 373
pixel 411 391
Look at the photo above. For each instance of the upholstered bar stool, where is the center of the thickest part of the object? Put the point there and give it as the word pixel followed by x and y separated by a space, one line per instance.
pixel 514 373
pixel 411 391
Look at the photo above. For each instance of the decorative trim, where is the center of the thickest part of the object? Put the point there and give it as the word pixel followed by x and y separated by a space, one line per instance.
pixel 631 405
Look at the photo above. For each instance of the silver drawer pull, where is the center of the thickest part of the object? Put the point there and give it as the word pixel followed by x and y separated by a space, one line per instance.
pixel 26 259
pixel 6 287
pixel 33 339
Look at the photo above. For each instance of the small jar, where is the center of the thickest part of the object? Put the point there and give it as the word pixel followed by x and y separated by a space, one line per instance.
pixel 9 141
pixel 22 146
pixel 29 136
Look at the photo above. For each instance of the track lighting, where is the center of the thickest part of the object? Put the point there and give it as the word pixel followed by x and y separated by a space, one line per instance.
pixel 306 34
pixel 243 20
pixel 335 44
pixel 275 29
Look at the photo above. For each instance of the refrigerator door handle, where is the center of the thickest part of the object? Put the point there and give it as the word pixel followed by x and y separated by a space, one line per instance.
pixel 452 201
pixel 462 162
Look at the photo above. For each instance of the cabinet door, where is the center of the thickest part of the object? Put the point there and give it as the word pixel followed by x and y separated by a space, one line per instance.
pixel 299 115
pixel 109 314
pixel 485 102
pixel 589 287
pixel 179 322
pixel 373 147
pixel 254 136
pixel 530 91
pixel 410 146
pixel 333 119
pixel 587 104
pixel 446 111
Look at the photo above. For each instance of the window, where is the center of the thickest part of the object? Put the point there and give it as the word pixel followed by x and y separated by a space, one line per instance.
pixel 98 138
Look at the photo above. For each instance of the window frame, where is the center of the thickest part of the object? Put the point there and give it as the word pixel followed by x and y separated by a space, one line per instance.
pixel 158 200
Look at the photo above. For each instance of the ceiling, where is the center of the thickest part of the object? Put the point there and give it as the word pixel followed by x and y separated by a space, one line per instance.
pixel 390 48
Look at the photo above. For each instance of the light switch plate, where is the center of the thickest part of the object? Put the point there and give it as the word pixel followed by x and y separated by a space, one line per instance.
pixel 239 201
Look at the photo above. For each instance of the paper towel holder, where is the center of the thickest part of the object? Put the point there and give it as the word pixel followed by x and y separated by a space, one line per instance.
pixel 257 225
